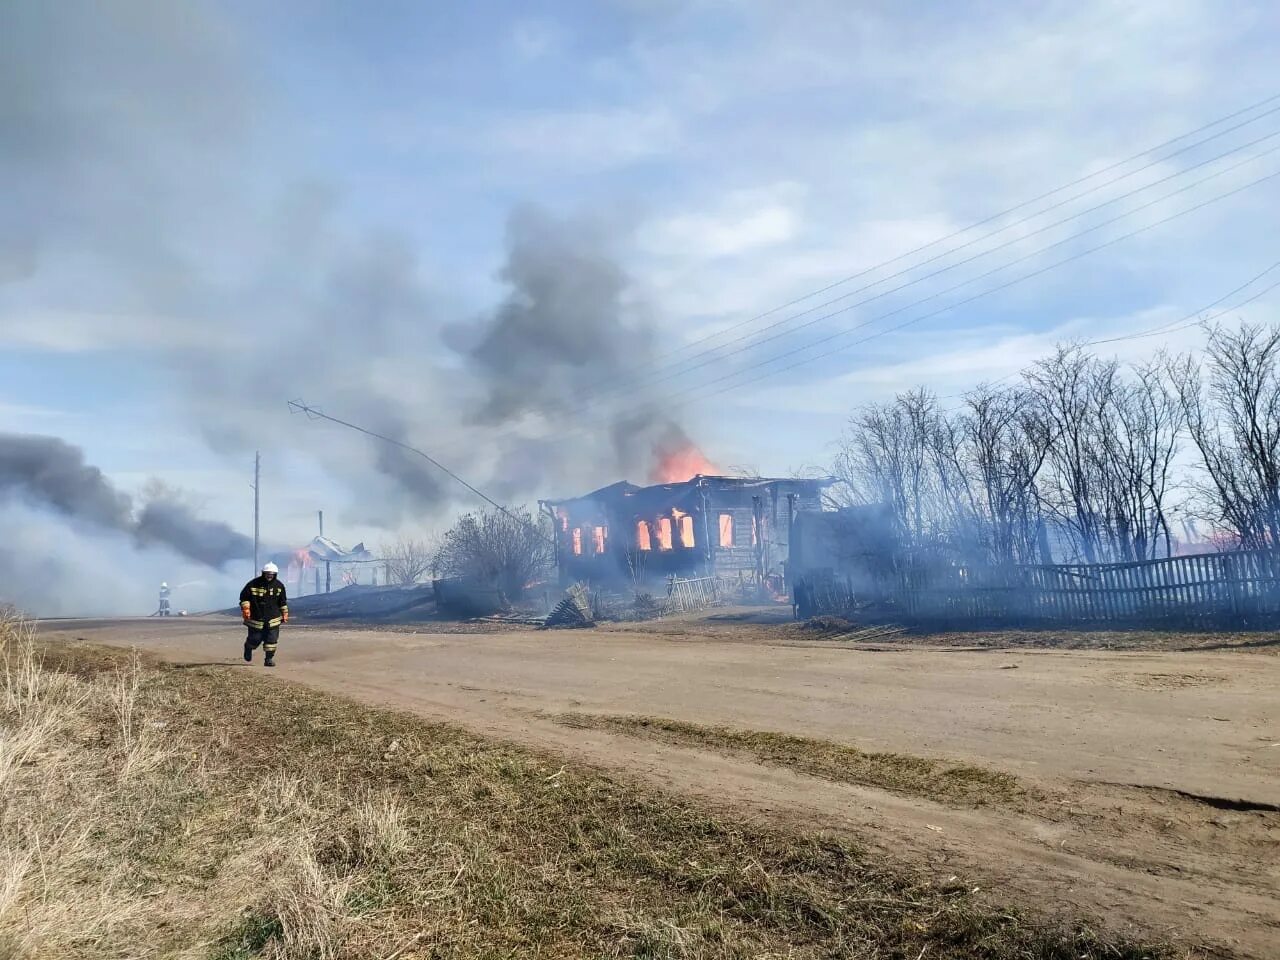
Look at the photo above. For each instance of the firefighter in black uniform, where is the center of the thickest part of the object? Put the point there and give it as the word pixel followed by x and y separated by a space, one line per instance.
pixel 265 607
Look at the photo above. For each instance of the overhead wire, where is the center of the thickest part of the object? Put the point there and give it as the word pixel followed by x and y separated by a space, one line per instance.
pixel 1195 318
pixel 614 384
pixel 691 393
pixel 317 414
pixel 719 355
pixel 624 386
pixel 975 297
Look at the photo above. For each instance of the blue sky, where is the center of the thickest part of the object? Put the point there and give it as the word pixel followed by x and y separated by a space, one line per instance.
pixel 220 207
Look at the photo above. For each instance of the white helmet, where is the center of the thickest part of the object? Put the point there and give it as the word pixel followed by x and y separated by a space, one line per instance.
pixel 270 567
pixel 164 586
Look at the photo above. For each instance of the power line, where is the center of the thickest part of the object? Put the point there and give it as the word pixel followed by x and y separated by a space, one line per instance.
pixel 759 341
pixel 1193 320
pixel 628 384
pixel 978 296
pixel 1190 320
pixel 691 392
pixel 585 427
pixel 314 414
pixel 610 385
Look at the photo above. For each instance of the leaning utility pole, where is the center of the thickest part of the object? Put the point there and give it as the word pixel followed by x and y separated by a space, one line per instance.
pixel 257 470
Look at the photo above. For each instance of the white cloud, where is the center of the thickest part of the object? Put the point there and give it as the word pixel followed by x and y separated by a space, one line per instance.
pixel 951 362
pixel 17 417
pixel 586 139
pixel 742 221
pixel 535 39
pixel 59 331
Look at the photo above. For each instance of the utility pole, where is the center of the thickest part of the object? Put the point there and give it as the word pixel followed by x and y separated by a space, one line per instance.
pixel 321 512
pixel 257 471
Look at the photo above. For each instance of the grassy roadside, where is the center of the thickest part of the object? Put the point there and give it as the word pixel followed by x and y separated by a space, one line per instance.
pixel 150 811
pixel 900 773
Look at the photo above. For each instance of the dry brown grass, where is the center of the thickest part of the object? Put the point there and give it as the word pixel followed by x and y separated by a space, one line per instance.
pixel 265 820
pixel 939 780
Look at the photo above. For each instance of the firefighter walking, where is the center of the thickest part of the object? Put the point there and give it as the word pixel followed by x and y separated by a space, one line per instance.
pixel 265 607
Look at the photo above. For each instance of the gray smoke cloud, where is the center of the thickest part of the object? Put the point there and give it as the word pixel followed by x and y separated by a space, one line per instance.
pixel 143 222
pixel 569 346
pixel 49 473
pixel 566 328
pixel 146 221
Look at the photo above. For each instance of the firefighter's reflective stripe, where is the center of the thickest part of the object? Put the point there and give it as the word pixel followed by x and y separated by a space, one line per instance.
pixel 264 603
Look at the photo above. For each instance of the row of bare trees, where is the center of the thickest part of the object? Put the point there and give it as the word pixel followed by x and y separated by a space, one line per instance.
pixel 1084 459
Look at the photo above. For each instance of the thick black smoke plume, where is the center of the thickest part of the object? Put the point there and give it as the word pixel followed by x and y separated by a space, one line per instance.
pixel 50 473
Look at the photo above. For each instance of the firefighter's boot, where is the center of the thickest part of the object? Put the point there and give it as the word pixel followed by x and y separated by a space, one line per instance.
pixel 270 661
pixel 248 652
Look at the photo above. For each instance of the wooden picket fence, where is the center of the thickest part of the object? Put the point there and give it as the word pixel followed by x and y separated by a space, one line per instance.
pixel 694 593
pixel 1241 586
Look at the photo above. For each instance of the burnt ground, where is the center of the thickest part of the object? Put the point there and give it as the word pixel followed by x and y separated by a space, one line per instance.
pixel 1145 766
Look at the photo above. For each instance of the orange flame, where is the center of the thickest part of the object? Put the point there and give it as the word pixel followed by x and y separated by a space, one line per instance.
pixel 677 459
pixel 302 557
pixel 685 524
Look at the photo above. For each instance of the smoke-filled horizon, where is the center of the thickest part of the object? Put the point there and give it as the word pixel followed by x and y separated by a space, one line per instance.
pixel 46 472
pixel 215 209
pixel 234 294
pixel 74 544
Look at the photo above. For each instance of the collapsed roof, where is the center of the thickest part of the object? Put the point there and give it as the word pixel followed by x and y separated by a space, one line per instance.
pixel 322 549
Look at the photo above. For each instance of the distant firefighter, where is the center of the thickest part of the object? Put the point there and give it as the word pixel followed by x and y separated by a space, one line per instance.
pixel 265 607
pixel 164 600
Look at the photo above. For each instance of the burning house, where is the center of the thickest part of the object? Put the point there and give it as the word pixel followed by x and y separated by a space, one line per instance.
pixel 704 526
pixel 323 565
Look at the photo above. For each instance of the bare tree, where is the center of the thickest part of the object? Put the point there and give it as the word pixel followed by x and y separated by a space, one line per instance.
pixel 1232 410
pixel 1072 388
pixel 507 550
pixel 408 559
pixel 886 457
pixel 1005 445
pixel 1140 427
pixel 909 457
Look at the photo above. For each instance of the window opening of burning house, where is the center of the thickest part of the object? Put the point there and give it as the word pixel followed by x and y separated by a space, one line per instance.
pixel 643 542
pixel 726 530
pixel 664 533
pixel 577 541
pixel 686 528
pixel 598 537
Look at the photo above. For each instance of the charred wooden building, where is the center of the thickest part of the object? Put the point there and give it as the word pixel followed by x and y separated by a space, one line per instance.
pixel 706 526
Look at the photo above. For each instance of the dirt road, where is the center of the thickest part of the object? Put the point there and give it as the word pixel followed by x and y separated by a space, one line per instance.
pixel 1161 770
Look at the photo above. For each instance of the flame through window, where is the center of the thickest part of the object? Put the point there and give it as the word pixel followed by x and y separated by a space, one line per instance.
pixel 726 530
pixel 643 541
pixel 686 527
pixel 577 541
pixel 598 536
pixel 664 533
